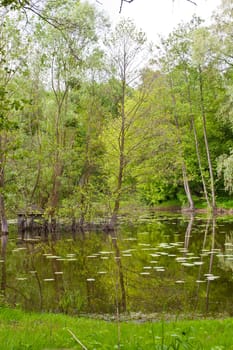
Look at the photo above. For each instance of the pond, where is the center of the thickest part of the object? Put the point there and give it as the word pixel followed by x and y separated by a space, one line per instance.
pixel 156 263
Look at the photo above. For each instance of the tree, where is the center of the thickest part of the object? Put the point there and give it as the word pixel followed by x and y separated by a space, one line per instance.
pixel 223 32
pixel 126 48
pixel 202 40
pixel 66 55
pixel 156 166
pixel 171 60
pixel 181 52
pixel 89 148
pixel 196 96
pixel 11 63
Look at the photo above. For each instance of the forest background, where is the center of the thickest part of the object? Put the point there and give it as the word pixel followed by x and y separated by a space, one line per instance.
pixel 95 119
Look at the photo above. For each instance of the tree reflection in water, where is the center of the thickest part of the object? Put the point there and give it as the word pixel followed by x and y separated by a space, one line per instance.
pixel 4 239
pixel 161 263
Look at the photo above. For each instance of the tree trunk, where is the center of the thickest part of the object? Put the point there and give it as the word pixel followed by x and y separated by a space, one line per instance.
pixel 4 224
pixel 54 196
pixel 38 176
pixel 184 169
pixel 116 208
pixel 121 142
pixel 60 99
pixel 186 187
pixel 196 142
pixel 213 200
pixel 83 184
pixel 199 162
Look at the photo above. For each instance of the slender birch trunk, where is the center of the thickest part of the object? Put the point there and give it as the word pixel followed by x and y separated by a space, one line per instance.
pixel 203 114
pixel 121 143
pixel 184 168
pixel 192 120
pixel 4 224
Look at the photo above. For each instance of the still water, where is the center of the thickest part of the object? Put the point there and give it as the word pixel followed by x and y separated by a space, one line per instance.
pixel 161 262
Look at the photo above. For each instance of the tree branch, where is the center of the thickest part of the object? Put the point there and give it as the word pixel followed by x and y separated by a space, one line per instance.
pixel 129 1
pixel 192 2
pixel 122 1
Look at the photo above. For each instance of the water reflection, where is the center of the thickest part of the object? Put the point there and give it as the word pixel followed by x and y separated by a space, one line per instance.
pixel 173 263
pixel 209 275
pixel 201 263
pixel 4 239
pixel 120 283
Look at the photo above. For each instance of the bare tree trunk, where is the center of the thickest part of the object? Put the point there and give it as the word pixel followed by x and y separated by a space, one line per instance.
pixel 121 143
pixel 39 170
pixel 184 169
pixel 196 142
pixel 54 196
pixel 199 162
pixel 60 98
pixel 4 224
pixel 213 200
pixel 57 169
pixel 85 178
pixel 83 184
pixel 116 208
pixel 36 182
pixel 186 187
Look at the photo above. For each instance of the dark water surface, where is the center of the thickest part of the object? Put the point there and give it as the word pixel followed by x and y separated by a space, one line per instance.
pixel 171 263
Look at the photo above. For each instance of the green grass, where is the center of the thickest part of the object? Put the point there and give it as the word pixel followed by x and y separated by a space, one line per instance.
pixel 19 330
pixel 225 203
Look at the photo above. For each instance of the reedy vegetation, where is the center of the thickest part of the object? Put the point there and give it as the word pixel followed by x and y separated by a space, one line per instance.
pixel 91 117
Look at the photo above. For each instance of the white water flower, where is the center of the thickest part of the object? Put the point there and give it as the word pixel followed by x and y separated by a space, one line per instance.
pixel 49 279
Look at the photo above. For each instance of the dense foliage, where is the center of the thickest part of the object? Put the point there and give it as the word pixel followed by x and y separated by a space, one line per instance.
pixel 91 117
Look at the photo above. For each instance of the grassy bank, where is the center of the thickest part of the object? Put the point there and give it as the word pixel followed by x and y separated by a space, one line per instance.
pixel 135 208
pixel 19 330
